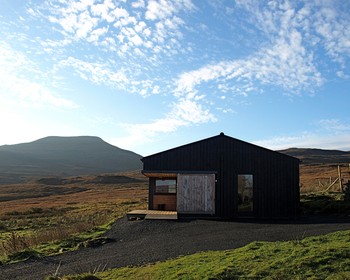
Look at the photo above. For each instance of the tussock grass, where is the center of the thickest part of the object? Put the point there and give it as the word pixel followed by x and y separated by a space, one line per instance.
pixel 330 203
pixel 61 218
pixel 322 257
pixel 50 234
pixel 73 220
pixel 317 177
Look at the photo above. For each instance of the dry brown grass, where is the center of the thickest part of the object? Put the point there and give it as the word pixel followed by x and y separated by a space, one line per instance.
pixel 315 178
pixel 76 207
pixel 94 193
pixel 28 221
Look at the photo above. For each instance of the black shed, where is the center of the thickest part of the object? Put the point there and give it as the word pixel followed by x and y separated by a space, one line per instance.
pixel 223 177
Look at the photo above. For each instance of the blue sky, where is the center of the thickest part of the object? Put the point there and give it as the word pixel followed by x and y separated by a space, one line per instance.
pixel 151 75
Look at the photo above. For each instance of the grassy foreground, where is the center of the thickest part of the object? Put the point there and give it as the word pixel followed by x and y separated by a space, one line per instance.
pixel 325 203
pixel 35 234
pixel 56 222
pixel 321 257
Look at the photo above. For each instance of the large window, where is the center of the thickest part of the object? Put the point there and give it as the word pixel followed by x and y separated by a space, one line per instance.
pixel 166 186
pixel 245 193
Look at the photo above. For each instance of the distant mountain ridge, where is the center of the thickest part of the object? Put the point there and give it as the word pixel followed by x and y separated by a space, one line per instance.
pixel 318 156
pixel 66 156
pixel 90 155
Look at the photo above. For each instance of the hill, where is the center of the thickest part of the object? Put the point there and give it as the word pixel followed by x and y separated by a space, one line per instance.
pixel 318 156
pixel 64 156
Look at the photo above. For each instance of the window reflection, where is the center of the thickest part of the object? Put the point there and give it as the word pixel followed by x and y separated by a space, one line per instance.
pixel 165 186
pixel 245 193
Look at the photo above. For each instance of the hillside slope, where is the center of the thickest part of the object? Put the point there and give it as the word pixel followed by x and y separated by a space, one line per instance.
pixel 318 156
pixel 66 156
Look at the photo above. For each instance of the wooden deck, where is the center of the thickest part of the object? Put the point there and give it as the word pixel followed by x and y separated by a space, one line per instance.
pixel 151 215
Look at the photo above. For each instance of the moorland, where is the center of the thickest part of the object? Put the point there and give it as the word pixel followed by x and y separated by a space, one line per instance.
pixel 54 213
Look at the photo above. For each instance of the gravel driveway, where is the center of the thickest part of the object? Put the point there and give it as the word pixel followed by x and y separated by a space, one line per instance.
pixel 146 241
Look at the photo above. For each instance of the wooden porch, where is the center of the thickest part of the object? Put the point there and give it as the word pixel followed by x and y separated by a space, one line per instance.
pixel 151 215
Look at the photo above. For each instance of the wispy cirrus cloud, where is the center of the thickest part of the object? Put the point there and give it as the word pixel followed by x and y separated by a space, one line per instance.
pixel 284 61
pixel 146 48
pixel 307 140
pixel 333 28
pixel 327 134
pixel 183 113
pixel 323 24
pixel 96 72
pixel 103 73
pixel 139 37
pixel 334 125
pixel 18 85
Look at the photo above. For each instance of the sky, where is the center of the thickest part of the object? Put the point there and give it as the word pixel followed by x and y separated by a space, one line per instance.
pixel 147 76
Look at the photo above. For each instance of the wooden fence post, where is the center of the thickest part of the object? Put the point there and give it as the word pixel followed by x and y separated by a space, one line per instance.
pixel 340 179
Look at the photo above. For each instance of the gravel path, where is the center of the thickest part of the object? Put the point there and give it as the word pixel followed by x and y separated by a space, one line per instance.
pixel 141 242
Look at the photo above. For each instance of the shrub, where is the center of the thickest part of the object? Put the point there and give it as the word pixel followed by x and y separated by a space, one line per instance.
pixel 347 191
pixel 24 255
pixel 14 243
pixel 3 227
pixel 78 277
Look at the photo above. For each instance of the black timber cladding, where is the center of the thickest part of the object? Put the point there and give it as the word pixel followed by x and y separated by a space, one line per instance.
pixel 276 175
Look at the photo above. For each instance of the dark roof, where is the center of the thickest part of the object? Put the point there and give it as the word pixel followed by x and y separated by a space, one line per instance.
pixel 218 136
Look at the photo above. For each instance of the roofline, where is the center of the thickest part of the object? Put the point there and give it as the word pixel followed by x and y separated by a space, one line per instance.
pixel 174 173
pixel 180 171
pixel 217 136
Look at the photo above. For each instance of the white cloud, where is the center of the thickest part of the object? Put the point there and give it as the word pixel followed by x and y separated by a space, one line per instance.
pixel 307 140
pixel 183 113
pixel 96 34
pixel 334 125
pixel 136 40
pixel 158 10
pixel 103 10
pixel 334 29
pixel 142 36
pixel 138 4
pixel 86 20
pixel 284 61
pixel 328 134
pixel 55 46
pixel 97 73
pixel 342 75
pixel 104 73
pixel 156 89
pixel 17 86
pixel 322 23
pixel 285 64
pixel 191 112
pixel 139 134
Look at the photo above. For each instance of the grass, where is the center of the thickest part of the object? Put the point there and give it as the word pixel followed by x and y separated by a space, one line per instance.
pixel 52 240
pixel 321 257
pixel 331 203
pixel 67 231
pixel 317 177
pixel 31 228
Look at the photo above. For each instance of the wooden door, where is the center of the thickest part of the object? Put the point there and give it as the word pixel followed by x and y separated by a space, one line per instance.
pixel 196 193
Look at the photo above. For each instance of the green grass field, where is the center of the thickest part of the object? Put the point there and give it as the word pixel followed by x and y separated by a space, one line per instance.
pixel 322 257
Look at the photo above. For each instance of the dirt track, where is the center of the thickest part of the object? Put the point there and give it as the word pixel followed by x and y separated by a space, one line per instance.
pixel 140 242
